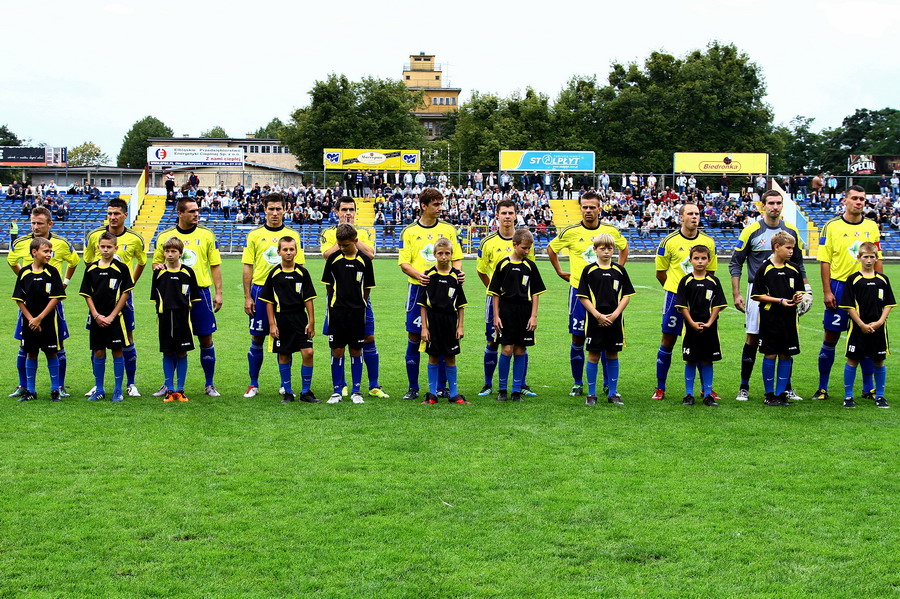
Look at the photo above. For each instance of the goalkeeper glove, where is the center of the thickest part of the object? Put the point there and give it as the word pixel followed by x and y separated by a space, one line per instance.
pixel 805 303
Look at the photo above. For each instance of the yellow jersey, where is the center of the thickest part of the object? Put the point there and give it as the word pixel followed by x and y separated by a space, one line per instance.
pixel 674 256
pixel 201 251
pixel 131 247
pixel 839 245
pixel 63 252
pixel 417 245
pixel 579 240
pixel 494 248
pixel 329 237
pixel 261 250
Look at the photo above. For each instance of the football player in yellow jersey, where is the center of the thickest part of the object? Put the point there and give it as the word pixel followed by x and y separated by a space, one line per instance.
pixel 131 250
pixel 673 262
pixel 579 240
pixel 494 248
pixel 346 210
pixel 201 253
pixel 259 257
pixel 837 255
pixel 63 253
pixel 417 256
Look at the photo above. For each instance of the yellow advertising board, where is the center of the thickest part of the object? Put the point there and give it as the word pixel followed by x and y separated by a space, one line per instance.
pixel 720 162
pixel 351 159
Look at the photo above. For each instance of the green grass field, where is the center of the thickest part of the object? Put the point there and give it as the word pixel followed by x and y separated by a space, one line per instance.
pixel 548 498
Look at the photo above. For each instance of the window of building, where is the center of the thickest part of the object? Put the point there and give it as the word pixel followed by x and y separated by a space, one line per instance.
pixel 266 149
pixel 417 59
pixel 254 149
pixel 453 101
pixel 105 182
pixel 437 77
pixel 244 148
pixel 407 77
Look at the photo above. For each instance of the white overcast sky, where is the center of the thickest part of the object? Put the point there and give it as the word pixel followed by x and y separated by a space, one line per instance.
pixel 87 70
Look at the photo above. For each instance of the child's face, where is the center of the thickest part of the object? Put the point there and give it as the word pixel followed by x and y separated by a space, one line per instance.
pixel 784 252
pixel 442 255
pixel 107 249
pixel 521 250
pixel 348 248
pixel 287 251
pixel 172 255
pixel 699 261
pixel 868 260
pixel 42 255
pixel 604 254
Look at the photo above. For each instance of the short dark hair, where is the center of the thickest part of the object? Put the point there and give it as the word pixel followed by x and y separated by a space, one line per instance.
pixel 770 193
pixel 699 249
pixel 589 195
pixel 118 203
pixel 39 242
pixel 430 194
pixel 173 243
pixel 274 197
pixel 181 205
pixel 346 200
pixel 857 188
pixel 107 236
pixel 286 239
pixel 345 232
pixel 507 203
pixel 41 211
pixel 521 236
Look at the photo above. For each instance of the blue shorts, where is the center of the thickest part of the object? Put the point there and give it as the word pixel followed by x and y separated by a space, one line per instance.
pixel 259 322
pixel 577 314
pixel 203 317
pixel 370 320
pixel 61 324
pixel 413 309
pixel 490 333
pixel 836 319
pixel 672 320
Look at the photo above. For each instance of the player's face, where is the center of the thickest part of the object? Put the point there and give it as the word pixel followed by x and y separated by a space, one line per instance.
pixel 521 250
pixel 690 218
pixel 784 252
pixel 442 255
pixel 40 225
pixel 107 249
pixel 506 215
pixel 172 256
pixel 432 209
pixel 287 251
pixel 116 217
pixel 590 211
pixel 604 254
pixel 854 203
pixel 348 248
pixel 190 217
pixel 42 255
pixel 699 260
pixel 868 261
pixel 773 207
pixel 274 214
pixel 347 213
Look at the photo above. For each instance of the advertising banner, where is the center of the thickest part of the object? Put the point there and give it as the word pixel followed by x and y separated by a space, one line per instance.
pixel 871 164
pixel 538 160
pixel 164 156
pixel 32 156
pixel 720 162
pixel 394 160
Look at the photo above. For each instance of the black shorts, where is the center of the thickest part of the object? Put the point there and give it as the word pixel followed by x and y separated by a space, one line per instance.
pixel 867 345
pixel 112 337
pixel 175 333
pixel 778 336
pixel 291 333
pixel 346 327
pixel 600 339
pixel 514 317
pixel 701 347
pixel 47 339
pixel 442 334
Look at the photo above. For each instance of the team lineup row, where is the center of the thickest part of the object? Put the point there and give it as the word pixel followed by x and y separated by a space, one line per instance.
pixel 188 279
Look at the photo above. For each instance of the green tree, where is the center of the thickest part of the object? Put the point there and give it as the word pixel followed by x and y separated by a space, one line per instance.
pixel 270 131
pixel 135 143
pixel 8 138
pixel 216 132
pixel 87 154
pixel 372 113
pixel 799 149
pixel 863 132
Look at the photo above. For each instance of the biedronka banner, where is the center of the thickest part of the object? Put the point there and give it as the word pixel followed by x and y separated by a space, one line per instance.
pixel 395 160
pixel 720 163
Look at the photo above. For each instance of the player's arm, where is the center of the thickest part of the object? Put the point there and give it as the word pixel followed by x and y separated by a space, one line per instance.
pixel 661 276
pixel 495 308
pixel 457 264
pixel 686 314
pixel 714 315
pixel 246 279
pixel 827 295
pixel 310 318
pixel 623 255
pixel 589 307
pixel 460 330
pixel 35 323
pixel 736 292
pixel 273 327
pixel 554 260
pixel 216 272
pixel 327 252
pixel 623 303
pixel 365 248
pixel 423 314
pixel 486 280
pixel 864 327
pixel 532 321
pixel 411 272
pixel 138 271
pixel 24 310
pixel 884 315
pixel 70 272
pixel 92 309
pixel 120 305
